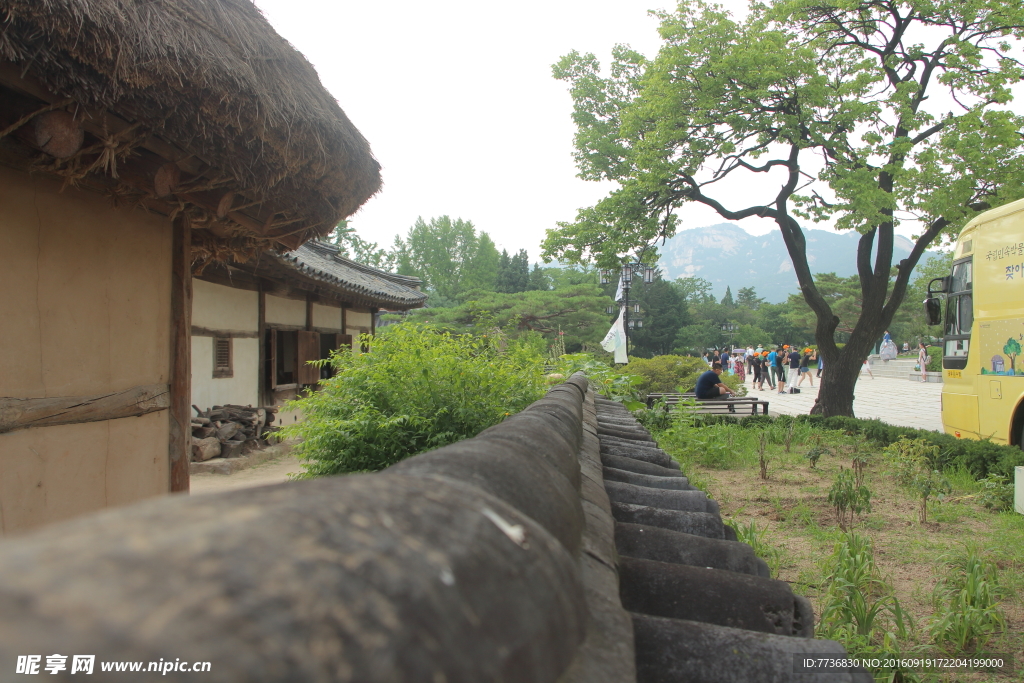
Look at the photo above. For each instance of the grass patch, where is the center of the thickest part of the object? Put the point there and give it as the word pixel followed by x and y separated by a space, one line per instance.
pixel 891 583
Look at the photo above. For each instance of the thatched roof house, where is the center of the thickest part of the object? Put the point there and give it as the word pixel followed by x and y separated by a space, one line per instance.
pixel 261 154
pixel 140 141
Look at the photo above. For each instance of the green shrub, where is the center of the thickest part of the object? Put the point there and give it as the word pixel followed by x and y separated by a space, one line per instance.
pixel 663 374
pixel 417 390
pixel 934 359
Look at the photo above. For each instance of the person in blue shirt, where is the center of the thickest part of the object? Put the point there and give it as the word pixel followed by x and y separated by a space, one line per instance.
pixel 709 385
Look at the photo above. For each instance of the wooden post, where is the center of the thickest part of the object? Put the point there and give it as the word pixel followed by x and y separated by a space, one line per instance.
pixel 344 322
pixel 373 320
pixel 261 335
pixel 309 311
pixel 179 443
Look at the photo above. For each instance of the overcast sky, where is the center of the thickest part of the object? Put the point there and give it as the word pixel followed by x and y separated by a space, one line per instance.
pixel 459 105
pixel 460 108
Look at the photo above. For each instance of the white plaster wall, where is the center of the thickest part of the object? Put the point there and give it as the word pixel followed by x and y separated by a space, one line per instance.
pixel 327 316
pixel 281 311
pixel 218 307
pixel 241 389
pixel 358 318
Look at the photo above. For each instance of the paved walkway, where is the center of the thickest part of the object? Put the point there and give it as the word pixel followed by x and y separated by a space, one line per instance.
pixel 271 472
pixel 895 401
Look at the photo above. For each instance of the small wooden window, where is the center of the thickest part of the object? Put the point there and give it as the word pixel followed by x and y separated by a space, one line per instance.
pixel 222 357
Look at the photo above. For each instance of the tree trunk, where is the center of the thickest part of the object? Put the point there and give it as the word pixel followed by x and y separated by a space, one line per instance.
pixel 835 397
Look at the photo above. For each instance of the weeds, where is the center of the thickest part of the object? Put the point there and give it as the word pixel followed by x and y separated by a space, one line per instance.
pixel 996 493
pixel 966 599
pixel 761 543
pixel 762 461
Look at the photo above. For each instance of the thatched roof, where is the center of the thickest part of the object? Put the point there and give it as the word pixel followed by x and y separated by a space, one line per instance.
pixel 214 81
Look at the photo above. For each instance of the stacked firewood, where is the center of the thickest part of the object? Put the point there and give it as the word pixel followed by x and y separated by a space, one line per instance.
pixel 230 431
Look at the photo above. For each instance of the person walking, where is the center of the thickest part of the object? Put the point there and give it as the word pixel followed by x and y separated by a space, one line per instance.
pixel 770 368
pixel 866 368
pixel 821 364
pixel 922 360
pixel 779 368
pixel 805 370
pixel 794 366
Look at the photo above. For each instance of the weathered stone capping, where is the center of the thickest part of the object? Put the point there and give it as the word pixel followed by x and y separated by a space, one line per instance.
pixel 489 560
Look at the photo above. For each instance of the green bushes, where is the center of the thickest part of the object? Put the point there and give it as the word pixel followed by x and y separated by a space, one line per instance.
pixel 419 389
pixel 666 374
pixel 980 457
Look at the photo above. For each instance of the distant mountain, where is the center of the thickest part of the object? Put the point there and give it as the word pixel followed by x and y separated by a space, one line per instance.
pixel 726 255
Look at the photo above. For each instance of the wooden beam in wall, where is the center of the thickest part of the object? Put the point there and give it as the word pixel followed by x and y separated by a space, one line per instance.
pixel 261 332
pixel 20 413
pixel 309 311
pixel 179 443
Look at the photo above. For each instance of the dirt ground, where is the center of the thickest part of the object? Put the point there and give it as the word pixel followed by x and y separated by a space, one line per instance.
pixel 271 472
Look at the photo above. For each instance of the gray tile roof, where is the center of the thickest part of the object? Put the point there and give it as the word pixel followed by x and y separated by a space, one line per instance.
pixel 322 262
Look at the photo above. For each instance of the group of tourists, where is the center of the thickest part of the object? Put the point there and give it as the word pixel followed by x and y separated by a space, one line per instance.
pixel 771 366
pixel 766 365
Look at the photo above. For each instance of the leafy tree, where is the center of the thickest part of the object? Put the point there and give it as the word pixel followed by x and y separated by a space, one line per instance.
pixel 578 311
pixel 352 246
pixel 482 269
pixel 577 274
pixel 773 320
pixel 437 252
pixel 751 335
pixel 699 337
pixel 833 99
pixel 663 312
pixel 747 298
pixel 694 290
pixel 843 295
pixel 727 299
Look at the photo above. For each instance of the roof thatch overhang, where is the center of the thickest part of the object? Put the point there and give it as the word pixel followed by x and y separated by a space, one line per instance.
pixel 193 107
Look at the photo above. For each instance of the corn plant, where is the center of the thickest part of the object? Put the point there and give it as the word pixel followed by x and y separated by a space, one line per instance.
pixel 847 499
pixel 857 600
pixel 966 600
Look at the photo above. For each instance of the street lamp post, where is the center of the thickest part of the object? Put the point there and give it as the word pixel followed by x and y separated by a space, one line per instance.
pixel 626 278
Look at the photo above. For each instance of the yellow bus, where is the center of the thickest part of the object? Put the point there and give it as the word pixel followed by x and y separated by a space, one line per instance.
pixel 983 333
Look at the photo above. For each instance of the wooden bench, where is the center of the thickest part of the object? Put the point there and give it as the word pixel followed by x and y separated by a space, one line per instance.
pixel 714 406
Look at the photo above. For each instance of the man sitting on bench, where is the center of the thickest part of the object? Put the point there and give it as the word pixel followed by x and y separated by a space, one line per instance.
pixel 709 386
